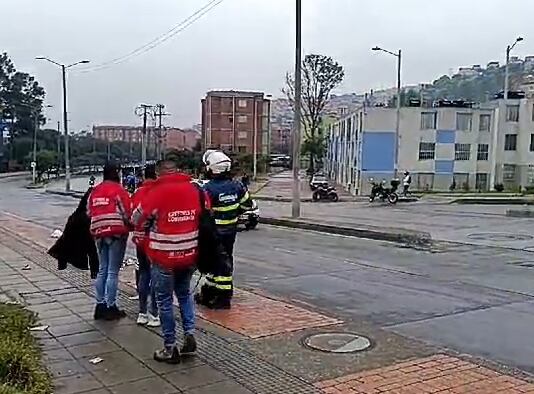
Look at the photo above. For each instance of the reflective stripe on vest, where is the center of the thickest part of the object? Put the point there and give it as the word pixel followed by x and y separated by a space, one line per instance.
pixel 169 247
pixel 173 237
pixel 227 208
pixel 222 222
pixel 139 234
pixel 245 198
pixel 220 282
pixel 106 223
pixel 104 216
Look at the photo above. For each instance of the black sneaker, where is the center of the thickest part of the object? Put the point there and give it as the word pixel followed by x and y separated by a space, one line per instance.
pixel 166 355
pixel 190 345
pixel 101 311
pixel 115 313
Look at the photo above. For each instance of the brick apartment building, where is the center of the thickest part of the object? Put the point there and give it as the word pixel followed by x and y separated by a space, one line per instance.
pixel 171 138
pixel 232 119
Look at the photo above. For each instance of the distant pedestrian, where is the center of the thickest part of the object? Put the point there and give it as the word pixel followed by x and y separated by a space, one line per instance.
pixel 171 212
pixel 406 182
pixel 146 275
pixel 109 208
pixel 245 180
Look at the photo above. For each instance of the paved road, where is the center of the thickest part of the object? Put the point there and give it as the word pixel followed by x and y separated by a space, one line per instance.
pixel 472 299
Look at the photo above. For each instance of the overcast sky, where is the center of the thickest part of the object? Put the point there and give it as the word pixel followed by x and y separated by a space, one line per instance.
pixel 244 44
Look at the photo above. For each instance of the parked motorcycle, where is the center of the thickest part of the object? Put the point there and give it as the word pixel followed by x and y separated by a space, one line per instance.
pixel 325 193
pixel 251 217
pixel 380 191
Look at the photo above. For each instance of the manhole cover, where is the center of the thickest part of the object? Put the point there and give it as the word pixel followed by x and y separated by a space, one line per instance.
pixel 499 237
pixel 337 342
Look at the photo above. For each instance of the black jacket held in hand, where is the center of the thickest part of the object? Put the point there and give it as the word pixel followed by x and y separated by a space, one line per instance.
pixel 76 246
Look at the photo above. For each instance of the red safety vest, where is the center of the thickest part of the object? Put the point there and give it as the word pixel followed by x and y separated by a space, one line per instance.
pixel 139 234
pixel 173 208
pixel 109 208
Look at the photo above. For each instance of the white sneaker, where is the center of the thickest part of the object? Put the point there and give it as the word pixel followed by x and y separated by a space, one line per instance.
pixel 142 319
pixel 153 321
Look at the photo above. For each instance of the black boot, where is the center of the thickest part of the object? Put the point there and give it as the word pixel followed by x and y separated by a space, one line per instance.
pixel 220 302
pixel 168 355
pixel 115 313
pixel 101 311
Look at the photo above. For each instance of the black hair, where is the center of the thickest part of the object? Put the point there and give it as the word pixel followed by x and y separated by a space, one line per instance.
pixel 150 171
pixel 111 172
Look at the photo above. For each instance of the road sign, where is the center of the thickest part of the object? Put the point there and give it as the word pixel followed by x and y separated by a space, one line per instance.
pixel 34 164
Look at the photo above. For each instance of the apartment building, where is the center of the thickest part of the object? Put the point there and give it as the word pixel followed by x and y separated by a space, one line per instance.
pixel 170 138
pixel 440 146
pixel 233 120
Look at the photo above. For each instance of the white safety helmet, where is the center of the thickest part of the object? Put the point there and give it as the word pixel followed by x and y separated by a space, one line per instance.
pixel 217 162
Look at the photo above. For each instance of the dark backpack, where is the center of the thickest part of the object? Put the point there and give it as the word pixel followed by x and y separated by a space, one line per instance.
pixel 211 253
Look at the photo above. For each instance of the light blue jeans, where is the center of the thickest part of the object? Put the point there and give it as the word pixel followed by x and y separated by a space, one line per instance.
pixel 111 254
pixel 178 282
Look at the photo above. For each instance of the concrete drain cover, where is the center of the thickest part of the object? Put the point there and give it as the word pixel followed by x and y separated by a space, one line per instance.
pixel 500 237
pixel 337 342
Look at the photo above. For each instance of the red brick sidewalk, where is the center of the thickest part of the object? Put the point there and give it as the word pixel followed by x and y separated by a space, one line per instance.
pixel 437 374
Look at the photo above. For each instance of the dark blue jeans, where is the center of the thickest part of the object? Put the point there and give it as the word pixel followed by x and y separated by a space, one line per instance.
pixel 146 286
pixel 179 282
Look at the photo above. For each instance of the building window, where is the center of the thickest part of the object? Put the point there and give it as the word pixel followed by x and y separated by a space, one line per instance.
pixel 242 149
pixel 462 151
pixel 428 120
pixel 242 103
pixel 531 142
pixel 481 181
pixel 242 118
pixel 464 121
pixel 482 152
pixel 231 119
pixel 484 123
pixel 512 113
pixel 242 135
pixel 427 150
pixel 533 112
pixel 508 172
pixel 510 142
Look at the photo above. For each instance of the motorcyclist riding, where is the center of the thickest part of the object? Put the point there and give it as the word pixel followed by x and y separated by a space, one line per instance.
pixel 227 198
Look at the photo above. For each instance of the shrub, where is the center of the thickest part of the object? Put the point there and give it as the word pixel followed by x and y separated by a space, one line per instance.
pixel 499 187
pixel 529 189
pixel 21 367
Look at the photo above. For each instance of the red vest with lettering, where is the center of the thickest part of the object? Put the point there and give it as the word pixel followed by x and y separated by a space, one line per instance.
pixel 139 233
pixel 174 206
pixel 109 208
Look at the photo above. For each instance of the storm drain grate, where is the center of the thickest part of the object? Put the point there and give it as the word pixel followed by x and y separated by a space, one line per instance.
pixel 232 359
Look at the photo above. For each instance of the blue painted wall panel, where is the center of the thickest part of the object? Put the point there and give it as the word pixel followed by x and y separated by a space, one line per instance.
pixel 445 136
pixel 444 166
pixel 378 151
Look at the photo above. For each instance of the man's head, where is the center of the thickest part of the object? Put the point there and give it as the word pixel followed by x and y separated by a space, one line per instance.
pixel 111 172
pixel 150 171
pixel 166 167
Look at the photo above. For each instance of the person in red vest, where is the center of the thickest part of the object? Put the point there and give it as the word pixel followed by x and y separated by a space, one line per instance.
pixel 109 209
pixel 146 283
pixel 172 212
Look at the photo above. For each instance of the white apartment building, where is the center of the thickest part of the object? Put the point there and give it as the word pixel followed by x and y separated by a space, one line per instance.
pixel 444 146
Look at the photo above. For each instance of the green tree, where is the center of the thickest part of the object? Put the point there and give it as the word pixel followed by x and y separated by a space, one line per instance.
pixel 320 75
pixel 46 160
pixel 20 97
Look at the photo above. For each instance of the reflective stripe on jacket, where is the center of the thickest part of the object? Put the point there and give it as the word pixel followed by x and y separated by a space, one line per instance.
pixel 139 233
pixel 227 197
pixel 172 212
pixel 109 208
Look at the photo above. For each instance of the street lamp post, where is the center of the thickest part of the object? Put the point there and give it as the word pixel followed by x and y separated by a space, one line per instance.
pixel 64 69
pixel 506 67
pixel 295 207
pixel 398 55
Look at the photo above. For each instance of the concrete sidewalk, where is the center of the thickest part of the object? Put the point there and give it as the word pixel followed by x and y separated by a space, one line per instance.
pixel 257 347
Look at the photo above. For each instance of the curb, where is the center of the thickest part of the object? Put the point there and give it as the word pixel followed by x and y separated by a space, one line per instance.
pixel 402 236
pixel 520 213
pixel 73 193
pixel 494 201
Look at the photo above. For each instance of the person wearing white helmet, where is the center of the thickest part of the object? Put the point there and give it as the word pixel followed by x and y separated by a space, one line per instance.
pixel 227 198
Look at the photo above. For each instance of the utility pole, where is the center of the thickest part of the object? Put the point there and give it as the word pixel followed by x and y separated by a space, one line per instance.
pixel 142 110
pixel 295 208
pixel 58 147
pixel 159 130
pixel 34 154
pixel 255 143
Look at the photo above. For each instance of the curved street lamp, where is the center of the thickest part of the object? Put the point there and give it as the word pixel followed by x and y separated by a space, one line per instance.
pixel 64 69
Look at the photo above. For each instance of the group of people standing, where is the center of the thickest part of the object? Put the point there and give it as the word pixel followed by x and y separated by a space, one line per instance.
pixel 168 217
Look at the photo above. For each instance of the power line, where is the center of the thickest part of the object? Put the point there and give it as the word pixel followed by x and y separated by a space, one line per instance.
pixel 184 24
